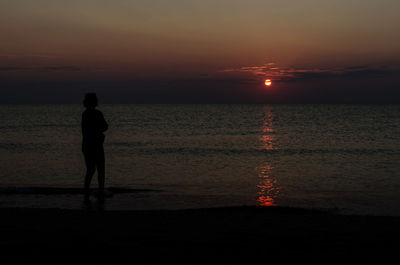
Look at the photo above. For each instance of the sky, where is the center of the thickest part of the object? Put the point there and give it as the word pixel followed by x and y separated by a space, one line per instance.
pixel 209 51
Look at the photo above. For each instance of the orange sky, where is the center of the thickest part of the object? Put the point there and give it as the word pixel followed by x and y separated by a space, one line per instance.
pixel 177 39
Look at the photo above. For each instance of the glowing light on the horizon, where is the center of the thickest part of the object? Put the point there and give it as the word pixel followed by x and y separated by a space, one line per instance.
pixel 268 82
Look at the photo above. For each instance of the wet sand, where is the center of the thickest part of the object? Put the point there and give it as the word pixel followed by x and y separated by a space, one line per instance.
pixel 222 235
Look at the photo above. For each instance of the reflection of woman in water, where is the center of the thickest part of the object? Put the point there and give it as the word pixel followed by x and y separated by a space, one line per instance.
pixel 93 126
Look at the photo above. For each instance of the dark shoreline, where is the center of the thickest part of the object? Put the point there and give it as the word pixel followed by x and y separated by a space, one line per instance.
pixel 198 236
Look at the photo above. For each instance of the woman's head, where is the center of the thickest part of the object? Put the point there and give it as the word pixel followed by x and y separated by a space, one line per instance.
pixel 90 100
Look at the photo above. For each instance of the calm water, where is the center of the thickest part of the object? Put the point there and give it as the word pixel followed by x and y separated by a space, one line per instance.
pixel 343 157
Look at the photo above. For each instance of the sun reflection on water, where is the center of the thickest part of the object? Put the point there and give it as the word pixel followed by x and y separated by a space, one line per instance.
pixel 268 188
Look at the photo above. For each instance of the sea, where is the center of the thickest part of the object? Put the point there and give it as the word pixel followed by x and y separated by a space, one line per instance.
pixel 341 158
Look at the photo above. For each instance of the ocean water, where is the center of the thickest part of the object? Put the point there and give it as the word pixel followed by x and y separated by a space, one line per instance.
pixel 338 157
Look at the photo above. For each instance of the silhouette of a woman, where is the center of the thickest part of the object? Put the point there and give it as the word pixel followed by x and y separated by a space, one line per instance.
pixel 93 126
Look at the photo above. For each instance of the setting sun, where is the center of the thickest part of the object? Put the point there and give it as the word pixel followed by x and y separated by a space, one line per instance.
pixel 268 82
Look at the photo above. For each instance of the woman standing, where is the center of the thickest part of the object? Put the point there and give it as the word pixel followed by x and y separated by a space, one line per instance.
pixel 93 128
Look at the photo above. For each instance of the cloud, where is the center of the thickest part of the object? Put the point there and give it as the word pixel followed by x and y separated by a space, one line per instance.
pixel 60 68
pixel 65 68
pixel 13 68
pixel 271 70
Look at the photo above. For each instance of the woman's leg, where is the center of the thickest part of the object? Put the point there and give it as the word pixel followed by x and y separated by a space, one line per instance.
pixel 90 169
pixel 100 162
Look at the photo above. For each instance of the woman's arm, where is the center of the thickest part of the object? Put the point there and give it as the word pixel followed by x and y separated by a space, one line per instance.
pixel 103 126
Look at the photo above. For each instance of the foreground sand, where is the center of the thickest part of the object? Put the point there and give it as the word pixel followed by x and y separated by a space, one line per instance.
pixel 245 235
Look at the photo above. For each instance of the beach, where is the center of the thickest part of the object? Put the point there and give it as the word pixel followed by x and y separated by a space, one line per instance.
pixel 199 132
pixel 203 184
pixel 199 236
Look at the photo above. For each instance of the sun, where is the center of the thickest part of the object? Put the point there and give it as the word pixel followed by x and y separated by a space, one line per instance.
pixel 268 82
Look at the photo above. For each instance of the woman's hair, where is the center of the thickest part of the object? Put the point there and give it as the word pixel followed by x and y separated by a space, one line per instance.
pixel 90 100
